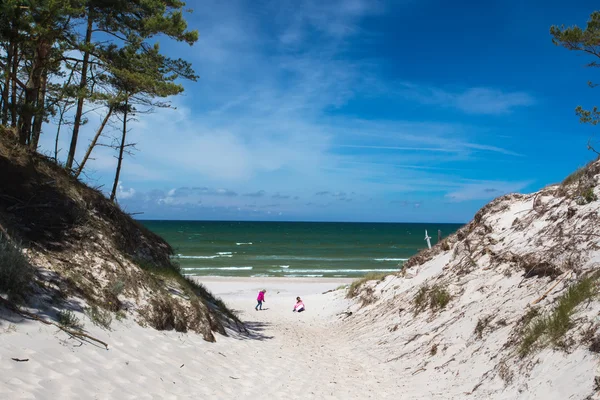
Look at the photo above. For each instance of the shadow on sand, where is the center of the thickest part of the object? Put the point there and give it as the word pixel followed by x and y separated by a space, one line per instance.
pixel 255 331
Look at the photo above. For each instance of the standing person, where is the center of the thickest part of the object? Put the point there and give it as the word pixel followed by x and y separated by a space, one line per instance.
pixel 260 299
pixel 299 306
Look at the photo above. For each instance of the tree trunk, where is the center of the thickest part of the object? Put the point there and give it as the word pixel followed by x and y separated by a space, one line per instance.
pixel 32 92
pixel 40 112
pixel 5 89
pixel 15 70
pixel 80 99
pixel 93 144
pixel 121 149
pixel 60 121
pixel 27 114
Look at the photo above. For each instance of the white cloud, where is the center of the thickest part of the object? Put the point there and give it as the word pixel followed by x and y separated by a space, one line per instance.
pixel 123 193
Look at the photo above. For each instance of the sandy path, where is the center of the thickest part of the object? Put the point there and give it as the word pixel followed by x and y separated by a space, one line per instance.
pixel 298 355
pixel 288 355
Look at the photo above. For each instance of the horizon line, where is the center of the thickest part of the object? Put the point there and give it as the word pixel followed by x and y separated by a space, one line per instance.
pixel 307 221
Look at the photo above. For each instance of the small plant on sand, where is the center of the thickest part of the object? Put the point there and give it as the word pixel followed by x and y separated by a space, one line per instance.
pixel 434 297
pixel 433 350
pixel 551 328
pixel 120 315
pixel 117 288
pixel 505 373
pixel 68 319
pixel 16 274
pixel 421 298
pixel 574 177
pixel 482 323
pixel 586 196
pixel 99 316
pixel 354 288
pixel 595 345
pixel 439 298
pixel 445 245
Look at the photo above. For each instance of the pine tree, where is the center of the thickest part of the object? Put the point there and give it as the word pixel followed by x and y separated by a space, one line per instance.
pixel 587 41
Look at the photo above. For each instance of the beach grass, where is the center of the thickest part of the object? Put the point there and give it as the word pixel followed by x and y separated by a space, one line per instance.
pixel 68 319
pixel 354 288
pixel 99 316
pixel 433 297
pixel 16 274
pixel 550 329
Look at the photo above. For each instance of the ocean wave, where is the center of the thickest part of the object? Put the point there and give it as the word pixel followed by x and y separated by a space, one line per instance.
pixel 391 259
pixel 304 276
pixel 302 258
pixel 241 244
pixel 284 266
pixel 224 253
pixel 202 257
pixel 334 271
pixel 217 269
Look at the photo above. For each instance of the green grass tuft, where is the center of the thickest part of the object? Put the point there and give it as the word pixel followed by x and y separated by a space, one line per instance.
pixel 16 274
pixel 574 177
pixel 421 299
pixel 438 298
pixel 99 317
pixel 68 319
pixel 353 290
pixel 434 297
pixel 587 196
pixel 551 328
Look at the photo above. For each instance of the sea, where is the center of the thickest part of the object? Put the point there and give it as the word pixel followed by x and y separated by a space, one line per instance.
pixel 294 249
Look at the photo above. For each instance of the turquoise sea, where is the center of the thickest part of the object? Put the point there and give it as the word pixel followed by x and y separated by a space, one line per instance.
pixel 294 249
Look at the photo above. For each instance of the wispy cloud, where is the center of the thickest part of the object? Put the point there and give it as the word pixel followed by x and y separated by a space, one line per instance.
pixel 484 190
pixel 474 100
pixel 260 193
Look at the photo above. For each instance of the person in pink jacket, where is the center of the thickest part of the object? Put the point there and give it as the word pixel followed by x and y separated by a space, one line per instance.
pixel 260 299
pixel 299 306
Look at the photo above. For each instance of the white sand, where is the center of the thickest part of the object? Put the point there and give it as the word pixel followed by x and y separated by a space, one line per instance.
pixel 288 355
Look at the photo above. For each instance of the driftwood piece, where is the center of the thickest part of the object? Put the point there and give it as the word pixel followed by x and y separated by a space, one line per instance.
pixel 26 314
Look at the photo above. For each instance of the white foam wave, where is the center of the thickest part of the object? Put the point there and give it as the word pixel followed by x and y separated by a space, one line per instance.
pixel 300 258
pixel 224 253
pixel 391 259
pixel 284 266
pixel 217 269
pixel 305 276
pixel 202 257
pixel 241 244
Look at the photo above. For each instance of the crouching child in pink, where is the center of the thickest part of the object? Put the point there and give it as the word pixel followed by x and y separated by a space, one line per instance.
pixel 299 306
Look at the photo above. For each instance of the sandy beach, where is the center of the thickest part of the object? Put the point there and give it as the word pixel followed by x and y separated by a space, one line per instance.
pixel 286 356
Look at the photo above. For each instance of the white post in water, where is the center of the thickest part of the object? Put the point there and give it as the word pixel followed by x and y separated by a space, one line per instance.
pixel 428 239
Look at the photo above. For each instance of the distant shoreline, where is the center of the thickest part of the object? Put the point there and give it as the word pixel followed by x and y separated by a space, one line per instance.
pixel 271 279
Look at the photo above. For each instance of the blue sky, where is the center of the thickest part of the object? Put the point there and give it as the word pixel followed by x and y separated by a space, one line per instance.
pixel 358 110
